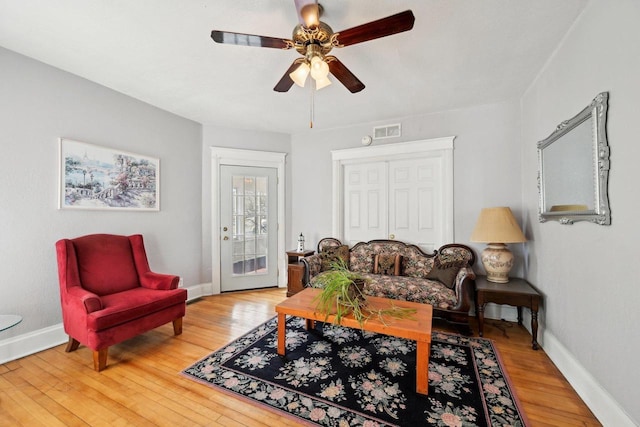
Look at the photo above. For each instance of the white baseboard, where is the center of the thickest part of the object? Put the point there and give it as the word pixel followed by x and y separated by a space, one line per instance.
pixel 603 406
pixel 43 339
pixel 197 291
pixel 32 342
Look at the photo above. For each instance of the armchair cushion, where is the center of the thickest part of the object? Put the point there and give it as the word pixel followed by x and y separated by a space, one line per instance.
pixel 123 307
pixel 97 256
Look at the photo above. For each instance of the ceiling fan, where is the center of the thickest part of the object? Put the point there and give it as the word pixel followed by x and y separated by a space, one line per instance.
pixel 314 39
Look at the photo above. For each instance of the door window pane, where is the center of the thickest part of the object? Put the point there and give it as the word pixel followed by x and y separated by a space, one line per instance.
pixel 250 219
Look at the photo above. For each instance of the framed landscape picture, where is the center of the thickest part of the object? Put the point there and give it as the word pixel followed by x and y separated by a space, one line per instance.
pixel 95 177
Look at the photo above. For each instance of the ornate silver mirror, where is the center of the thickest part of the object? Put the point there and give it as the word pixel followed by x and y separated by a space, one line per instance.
pixel 573 168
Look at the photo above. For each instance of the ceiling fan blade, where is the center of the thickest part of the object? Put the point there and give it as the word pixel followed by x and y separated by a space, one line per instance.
pixel 285 82
pixel 308 12
pixel 342 73
pixel 393 24
pixel 250 40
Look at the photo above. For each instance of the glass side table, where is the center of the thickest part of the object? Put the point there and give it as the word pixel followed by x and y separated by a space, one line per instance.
pixel 9 320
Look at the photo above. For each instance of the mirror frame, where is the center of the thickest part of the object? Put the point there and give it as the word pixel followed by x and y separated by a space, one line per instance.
pixel 600 214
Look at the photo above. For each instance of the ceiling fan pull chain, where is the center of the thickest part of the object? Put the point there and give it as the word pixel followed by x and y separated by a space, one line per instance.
pixel 311 107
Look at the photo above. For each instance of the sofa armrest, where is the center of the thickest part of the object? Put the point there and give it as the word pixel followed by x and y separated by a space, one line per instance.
pixel 465 287
pixel 158 281
pixel 81 297
pixel 312 267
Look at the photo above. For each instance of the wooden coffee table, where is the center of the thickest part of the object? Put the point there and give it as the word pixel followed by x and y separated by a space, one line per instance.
pixel 418 328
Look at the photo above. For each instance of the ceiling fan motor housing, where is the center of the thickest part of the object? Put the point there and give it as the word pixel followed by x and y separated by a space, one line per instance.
pixel 306 39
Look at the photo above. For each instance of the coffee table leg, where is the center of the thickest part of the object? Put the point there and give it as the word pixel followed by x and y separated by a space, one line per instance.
pixel 282 333
pixel 422 367
pixel 310 324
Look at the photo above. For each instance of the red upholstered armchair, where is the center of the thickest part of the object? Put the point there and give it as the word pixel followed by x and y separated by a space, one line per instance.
pixel 109 294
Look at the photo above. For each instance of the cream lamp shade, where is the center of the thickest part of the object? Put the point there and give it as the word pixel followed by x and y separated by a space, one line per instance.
pixel 497 226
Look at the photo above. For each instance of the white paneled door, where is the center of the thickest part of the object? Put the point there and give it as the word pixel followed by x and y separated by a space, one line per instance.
pixel 365 204
pixel 398 199
pixel 248 220
pixel 415 202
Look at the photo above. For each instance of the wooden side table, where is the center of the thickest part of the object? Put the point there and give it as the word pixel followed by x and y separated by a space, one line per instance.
pixel 295 271
pixel 517 292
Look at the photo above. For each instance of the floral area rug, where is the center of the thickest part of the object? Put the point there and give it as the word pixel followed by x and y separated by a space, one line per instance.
pixel 336 376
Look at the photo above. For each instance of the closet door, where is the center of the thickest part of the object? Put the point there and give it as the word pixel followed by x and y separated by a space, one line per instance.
pixel 415 202
pixel 365 202
pixel 398 191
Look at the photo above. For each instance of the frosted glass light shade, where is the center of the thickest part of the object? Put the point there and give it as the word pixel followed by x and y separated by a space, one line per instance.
pixel 322 83
pixel 299 75
pixel 319 68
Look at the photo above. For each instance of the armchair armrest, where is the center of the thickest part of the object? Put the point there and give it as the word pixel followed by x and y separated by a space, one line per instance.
pixel 79 296
pixel 162 282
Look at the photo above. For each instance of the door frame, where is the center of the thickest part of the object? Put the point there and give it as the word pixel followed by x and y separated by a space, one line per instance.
pixel 221 156
pixel 436 147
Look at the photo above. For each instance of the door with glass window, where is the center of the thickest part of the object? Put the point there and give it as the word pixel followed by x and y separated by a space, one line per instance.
pixel 248 234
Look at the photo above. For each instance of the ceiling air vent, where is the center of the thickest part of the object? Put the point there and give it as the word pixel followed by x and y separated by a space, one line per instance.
pixel 388 131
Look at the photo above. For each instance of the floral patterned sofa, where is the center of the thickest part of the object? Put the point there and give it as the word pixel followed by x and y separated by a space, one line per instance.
pixel 444 279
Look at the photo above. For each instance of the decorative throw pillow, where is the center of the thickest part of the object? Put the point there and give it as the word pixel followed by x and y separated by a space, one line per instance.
pixel 445 270
pixel 332 254
pixel 388 264
pixel 450 259
pixel 446 276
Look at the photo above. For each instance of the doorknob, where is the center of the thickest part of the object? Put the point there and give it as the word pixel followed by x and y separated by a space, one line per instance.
pixel 225 238
pixel 224 228
pixel 392 236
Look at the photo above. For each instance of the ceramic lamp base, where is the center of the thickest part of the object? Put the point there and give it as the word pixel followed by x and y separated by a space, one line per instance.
pixel 497 260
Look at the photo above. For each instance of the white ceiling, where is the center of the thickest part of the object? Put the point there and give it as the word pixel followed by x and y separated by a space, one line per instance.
pixel 460 53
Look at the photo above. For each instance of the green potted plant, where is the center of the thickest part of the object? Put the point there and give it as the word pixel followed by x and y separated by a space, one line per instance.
pixel 342 294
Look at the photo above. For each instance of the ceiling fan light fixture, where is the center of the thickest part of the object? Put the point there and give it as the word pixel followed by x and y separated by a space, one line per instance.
pixel 299 75
pixel 319 68
pixel 320 83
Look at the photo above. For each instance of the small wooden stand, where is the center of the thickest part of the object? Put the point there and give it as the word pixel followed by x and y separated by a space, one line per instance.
pixel 295 271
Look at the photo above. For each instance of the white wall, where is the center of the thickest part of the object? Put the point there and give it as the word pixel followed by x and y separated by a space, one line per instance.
pixel 589 273
pixel 215 136
pixel 486 167
pixel 39 104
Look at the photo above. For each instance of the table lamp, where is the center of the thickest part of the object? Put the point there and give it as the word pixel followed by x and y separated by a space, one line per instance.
pixel 497 226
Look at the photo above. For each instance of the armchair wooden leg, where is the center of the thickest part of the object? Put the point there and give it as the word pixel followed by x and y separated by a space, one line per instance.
pixel 100 359
pixel 72 345
pixel 177 326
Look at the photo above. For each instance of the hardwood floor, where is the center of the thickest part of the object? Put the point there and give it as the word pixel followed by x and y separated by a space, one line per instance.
pixel 142 385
